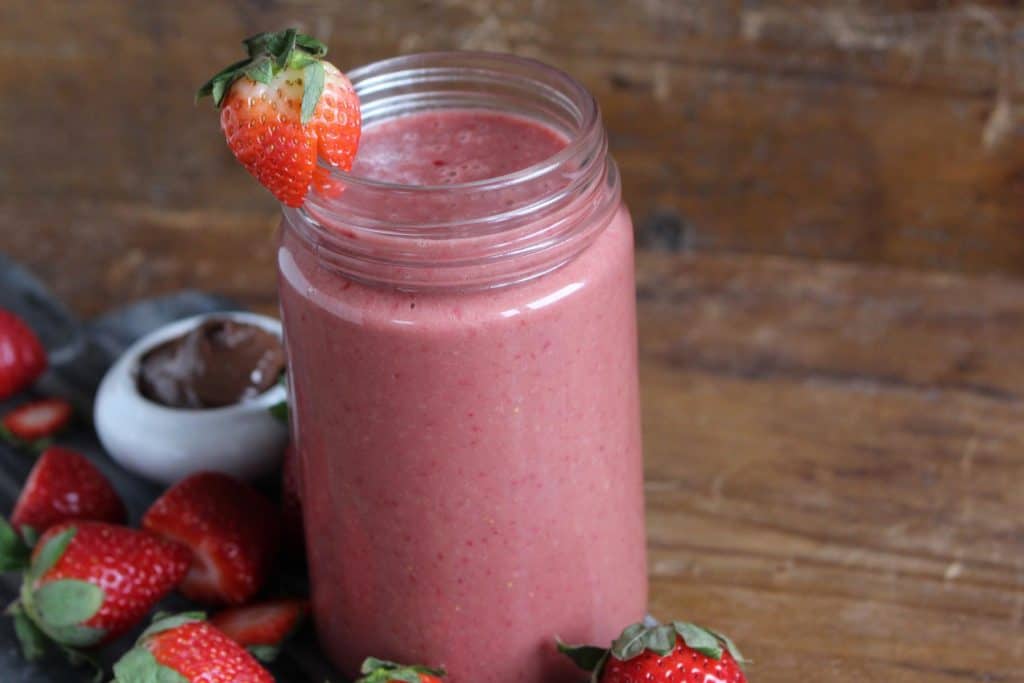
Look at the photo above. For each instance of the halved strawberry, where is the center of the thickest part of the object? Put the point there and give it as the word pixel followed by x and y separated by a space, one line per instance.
pixel 38 419
pixel 284 107
pixel 89 582
pixel 232 530
pixel 22 357
pixel 262 628
pixel 679 652
pixel 185 649
pixel 63 486
pixel 376 670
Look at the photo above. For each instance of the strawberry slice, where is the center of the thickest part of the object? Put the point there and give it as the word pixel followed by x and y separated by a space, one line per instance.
pixel 185 649
pixel 262 628
pixel 89 582
pixel 284 107
pixel 22 357
pixel 376 670
pixel 63 486
pixel 38 419
pixel 232 530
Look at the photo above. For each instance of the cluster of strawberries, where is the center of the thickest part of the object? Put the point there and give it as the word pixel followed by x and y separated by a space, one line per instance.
pixel 87 578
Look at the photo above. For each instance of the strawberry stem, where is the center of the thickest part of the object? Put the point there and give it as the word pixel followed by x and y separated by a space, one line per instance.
pixel 269 54
pixel 381 671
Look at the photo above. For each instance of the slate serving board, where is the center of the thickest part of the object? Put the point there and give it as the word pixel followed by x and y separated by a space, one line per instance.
pixel 80 352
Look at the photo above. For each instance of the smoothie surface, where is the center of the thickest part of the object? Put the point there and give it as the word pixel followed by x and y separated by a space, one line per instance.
pixel 452 146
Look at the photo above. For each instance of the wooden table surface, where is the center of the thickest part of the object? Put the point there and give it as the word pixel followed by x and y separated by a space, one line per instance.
pixel 835 447
pixel 834 458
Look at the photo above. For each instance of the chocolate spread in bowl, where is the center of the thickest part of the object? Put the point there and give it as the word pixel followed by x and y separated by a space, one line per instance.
pixel 219 363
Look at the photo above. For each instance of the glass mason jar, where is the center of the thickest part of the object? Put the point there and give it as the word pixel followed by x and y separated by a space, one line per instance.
pixel 463 369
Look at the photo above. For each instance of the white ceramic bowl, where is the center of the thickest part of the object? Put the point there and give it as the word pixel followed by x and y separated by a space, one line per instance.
pixel 167 444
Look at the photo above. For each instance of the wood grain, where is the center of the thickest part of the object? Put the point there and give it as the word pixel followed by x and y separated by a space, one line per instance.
pixel 834 451
pixel 857 130
pixel 833 459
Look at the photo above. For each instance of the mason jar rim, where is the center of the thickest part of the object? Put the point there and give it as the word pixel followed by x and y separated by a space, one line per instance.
pixel 375 230
pixel 381 75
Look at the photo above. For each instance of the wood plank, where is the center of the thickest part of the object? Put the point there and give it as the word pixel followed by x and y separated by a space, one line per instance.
pixel 833 457
pixel 827 479
pixel 867 131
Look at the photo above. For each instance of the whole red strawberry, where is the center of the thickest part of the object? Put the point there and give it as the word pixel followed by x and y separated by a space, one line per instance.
pixel 89 582
pixel 231 529
pixel 186 648
pixel 63 486
pixel 22 357
pixel 376 670
pixel 679 652
pixel 282 108
pixel 262 628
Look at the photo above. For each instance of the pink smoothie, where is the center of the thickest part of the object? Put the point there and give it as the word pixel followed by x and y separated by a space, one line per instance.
pixel 471 459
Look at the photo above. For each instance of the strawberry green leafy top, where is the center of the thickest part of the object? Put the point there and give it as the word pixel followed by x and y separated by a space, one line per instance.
pixel 270 53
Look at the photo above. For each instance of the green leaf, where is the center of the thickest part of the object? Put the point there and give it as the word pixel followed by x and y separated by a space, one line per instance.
pixel 313 75
pixel 285 50
pixel 631 643
pixel 218 90
pixel 381 671
pixel 225 76
pixel 82 659
pixel 300 60
pixel 731 647
pixel 277 44
pixel 50 553
pixel 699 639
pixel 661 639
pixel 311 45
pixel 280 411
pixel 75 635
pixel 261 70
pixel 164 622
pixel 29 535
pixel 140 666
pixel 32 640
pixel 264 653
pixel 14 552
pixel 586 657
pixel 257 44
pixel 35 447
pixel 67 602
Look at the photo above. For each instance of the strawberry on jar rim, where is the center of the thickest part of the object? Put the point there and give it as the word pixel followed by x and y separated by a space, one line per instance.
pixel 679 652
pixel 282 109
pixel 188 649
